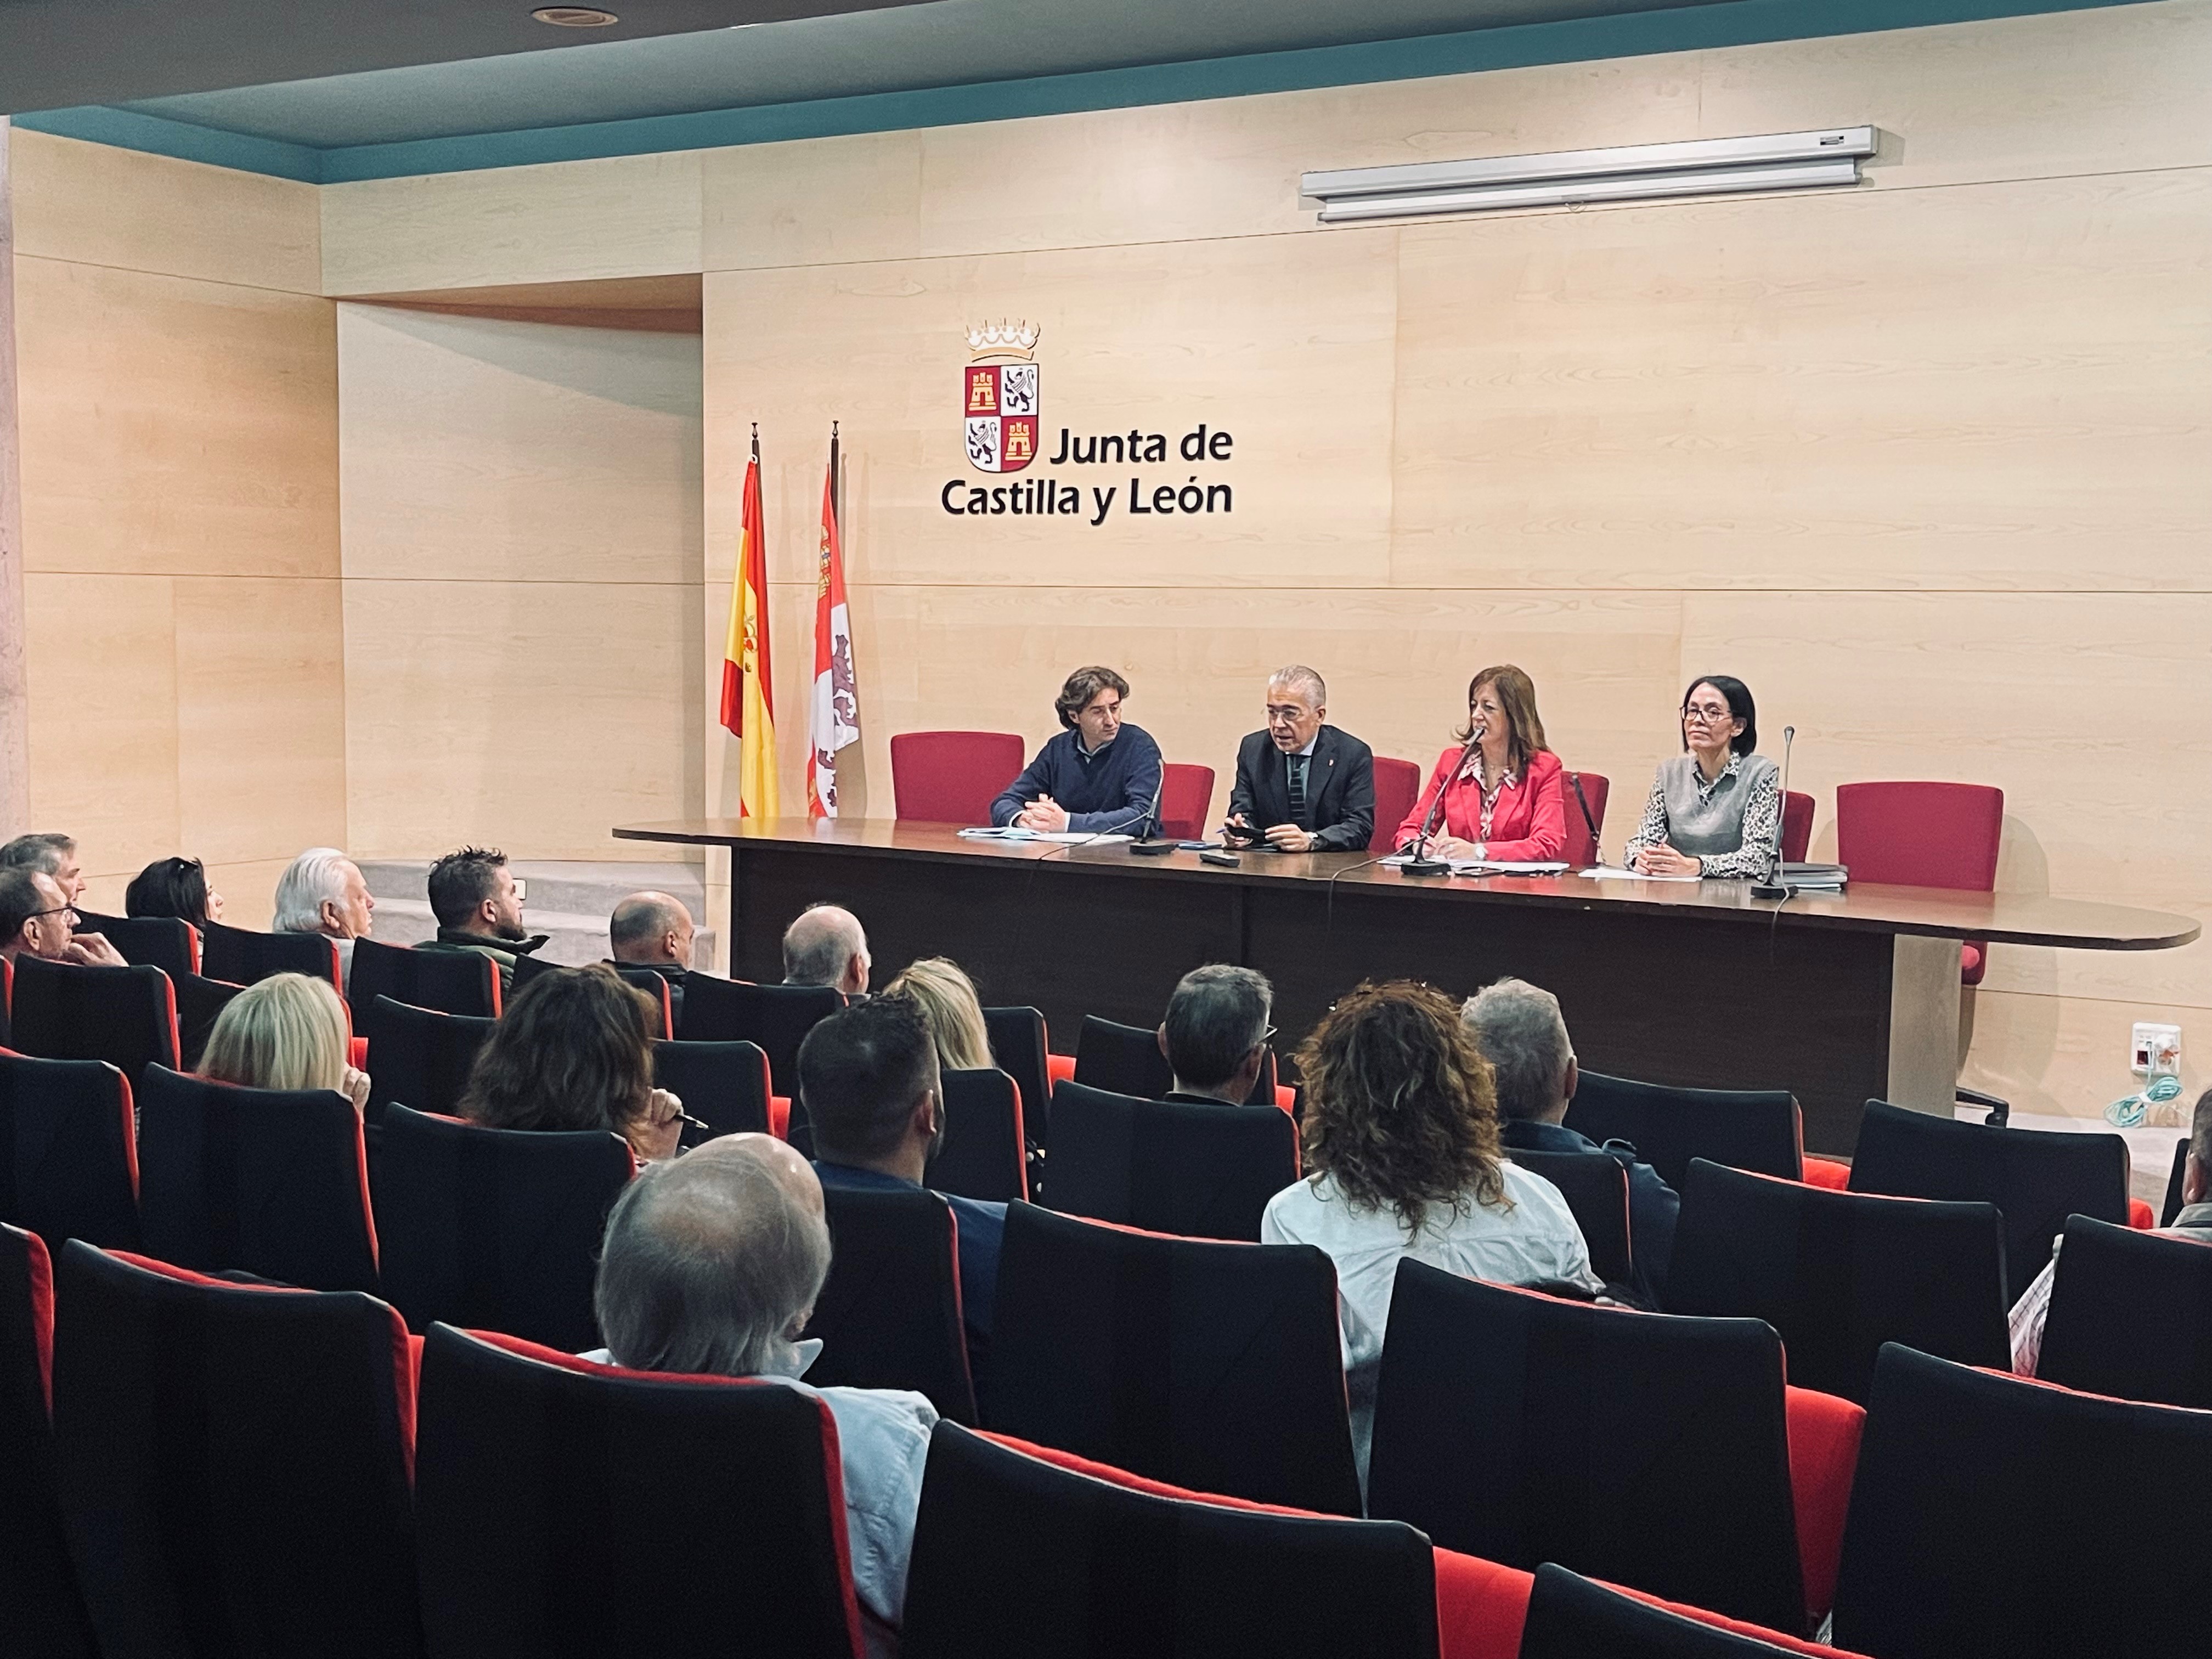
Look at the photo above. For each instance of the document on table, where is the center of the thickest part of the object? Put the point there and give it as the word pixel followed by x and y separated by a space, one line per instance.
pixel 1490 867
pixel 1065 838
pixel 1610 872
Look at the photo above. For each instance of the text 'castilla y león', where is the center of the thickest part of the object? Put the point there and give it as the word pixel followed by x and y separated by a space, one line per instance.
pixel 1140 497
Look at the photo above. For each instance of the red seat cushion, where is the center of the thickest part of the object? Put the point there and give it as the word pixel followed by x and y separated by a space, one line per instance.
pixel 2140 1217
pixel 1826 1172
pixel 1823 1454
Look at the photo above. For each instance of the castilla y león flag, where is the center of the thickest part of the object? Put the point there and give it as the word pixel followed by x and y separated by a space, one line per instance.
pixel 748 691
pixel 834 717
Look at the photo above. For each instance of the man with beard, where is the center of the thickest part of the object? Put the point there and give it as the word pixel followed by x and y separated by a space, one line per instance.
pixel 479 908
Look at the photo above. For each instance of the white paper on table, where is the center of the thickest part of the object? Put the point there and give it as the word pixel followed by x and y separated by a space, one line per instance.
pixel 1509 867
pixel 1065 838
pixel 1609 872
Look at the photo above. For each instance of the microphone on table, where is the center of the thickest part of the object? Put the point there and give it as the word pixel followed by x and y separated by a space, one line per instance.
pixel 1421 864
pixel 1144 843
pixel 1772 887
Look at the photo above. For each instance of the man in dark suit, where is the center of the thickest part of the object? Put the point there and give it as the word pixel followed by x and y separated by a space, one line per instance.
pixel 1302 785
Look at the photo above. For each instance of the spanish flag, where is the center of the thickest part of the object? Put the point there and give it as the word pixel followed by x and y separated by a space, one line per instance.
pixel 748 689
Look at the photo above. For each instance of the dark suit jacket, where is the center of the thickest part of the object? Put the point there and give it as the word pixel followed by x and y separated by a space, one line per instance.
pixel 1340 789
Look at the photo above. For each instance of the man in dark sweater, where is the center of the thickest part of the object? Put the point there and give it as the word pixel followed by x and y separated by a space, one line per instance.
pixel 1097 776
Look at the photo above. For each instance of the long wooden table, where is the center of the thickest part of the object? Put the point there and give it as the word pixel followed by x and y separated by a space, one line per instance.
pixel 1839 997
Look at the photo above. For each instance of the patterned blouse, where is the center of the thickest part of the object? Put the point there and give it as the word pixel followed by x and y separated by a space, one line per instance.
pixel 1762 814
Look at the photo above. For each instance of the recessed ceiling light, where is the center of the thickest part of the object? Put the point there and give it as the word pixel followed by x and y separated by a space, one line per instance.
pixel 574 17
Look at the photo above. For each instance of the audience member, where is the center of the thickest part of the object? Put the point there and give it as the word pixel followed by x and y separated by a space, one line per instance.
pixel 1522 1034
pixel 51 853
pixel 947 998
pixel 1401 1132
pixel 2193 1220
pixel 710 1267
pixel 174 887
pixel 868 1080
pixel 288 1031
pixel 1215 1035
pixel 652 930
pixel 826 946
pixel 322 891
pixel 479 910
pixel 573 1050
pixel 36 920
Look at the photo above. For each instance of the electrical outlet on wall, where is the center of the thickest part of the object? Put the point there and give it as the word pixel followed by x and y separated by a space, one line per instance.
pixel 2156 1049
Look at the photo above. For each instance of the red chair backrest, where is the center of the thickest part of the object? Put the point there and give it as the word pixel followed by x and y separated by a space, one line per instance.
pixel 1797 826
pixel 1397 786
pixel 1185 793
pixel 952 777
pixel 1582 837
pixel 1920 835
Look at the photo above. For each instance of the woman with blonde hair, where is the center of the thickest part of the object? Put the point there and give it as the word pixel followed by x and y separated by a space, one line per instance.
pixel 1504 792
pixel 1401 1134
pixel 287 1032
pixel 947 998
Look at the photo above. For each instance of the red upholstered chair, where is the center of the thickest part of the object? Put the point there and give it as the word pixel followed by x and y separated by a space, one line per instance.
pixel 574 1510
pixel 1923 834
pixel 1491 1400
pixel 243 956
pixel 163 942
pixel 888 1314
pixel 952 777
pixel 1585 833
pixel 2130 1314
pixel 270 1181
pixel 42 1614
pixel 418 1057
pixel 69 1150
pixel 456 981
pixel 1186 792
pixel 1571 1617
pixel 1397 786
pixel 1019 1048
pixel 982 1154
pixel 1759 1129
pixel 1797 826
pixel 724 1084
pixel 125 1016
pixel 236 1461
pixel 1171 1166
pixel 1978 1496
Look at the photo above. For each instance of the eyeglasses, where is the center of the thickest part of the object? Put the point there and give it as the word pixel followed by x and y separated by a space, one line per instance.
pixel 1707 713
pixel 60 910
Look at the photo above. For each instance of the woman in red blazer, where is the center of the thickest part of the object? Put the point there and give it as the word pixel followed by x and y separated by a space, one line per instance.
pixel 1504 794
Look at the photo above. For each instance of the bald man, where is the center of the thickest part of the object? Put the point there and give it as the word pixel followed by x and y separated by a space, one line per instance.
pixel 826 946
pixel 652 930
pixel 711 1266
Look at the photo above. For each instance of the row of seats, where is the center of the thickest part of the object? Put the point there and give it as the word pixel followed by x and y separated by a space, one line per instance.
pixel 188 1465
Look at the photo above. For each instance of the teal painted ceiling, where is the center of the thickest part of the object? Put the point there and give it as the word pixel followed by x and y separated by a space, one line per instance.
pixel 919 65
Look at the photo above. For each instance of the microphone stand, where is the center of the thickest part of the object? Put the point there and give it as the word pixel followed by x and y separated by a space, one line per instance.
pixel 1421 864
pixel 1144 843
pixel 1772 887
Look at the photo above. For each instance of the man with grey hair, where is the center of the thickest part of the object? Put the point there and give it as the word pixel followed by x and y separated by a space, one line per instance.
pixel 710 1266
pixel 1215 1035
pixel 49 852
pixel 1522 1033
pixel 1302 785
pixel 321 891
pixel 652 930
pixel 826 946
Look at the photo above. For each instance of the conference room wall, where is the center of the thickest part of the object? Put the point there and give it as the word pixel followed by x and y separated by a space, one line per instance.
pixel 178 389
pixel 1950 427
pixel 521 532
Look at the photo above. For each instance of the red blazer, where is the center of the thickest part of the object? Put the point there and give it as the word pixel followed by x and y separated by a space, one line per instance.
pixel 1528 824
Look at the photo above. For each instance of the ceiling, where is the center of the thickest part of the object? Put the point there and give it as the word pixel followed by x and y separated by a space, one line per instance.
pixel 949 43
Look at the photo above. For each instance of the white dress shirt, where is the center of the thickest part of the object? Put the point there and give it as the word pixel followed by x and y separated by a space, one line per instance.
pixel 1531 1240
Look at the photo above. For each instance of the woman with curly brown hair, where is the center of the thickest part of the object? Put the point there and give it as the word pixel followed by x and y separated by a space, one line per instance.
pixel 1401 1132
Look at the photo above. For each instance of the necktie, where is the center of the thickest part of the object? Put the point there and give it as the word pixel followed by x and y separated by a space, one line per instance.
pixel 1298 791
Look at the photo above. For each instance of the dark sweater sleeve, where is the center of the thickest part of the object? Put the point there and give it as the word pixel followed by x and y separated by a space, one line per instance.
pixel 1140 788
pixel 1024 789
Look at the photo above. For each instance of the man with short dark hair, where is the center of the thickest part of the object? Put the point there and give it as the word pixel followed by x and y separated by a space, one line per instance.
pixel 826 945
pixel 1302 785
pixel 479 910
pixel 1215 1035
pixel 711 1266
pixel 36 920
pixel 51 853
pixel 652 930
pixel 869 1084
pixel 1099 775
pixel 1523 1036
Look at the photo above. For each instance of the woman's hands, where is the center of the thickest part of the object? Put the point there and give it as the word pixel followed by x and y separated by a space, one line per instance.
pixel 1664 860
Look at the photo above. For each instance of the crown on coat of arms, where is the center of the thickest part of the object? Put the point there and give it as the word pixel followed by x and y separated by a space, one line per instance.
pixel 1003 339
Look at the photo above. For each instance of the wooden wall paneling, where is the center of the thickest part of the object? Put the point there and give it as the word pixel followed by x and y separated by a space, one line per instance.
pixel 631 216
pixel 535 715
pixel 176 426
pixel 101 652
pixel 261 733
pixel 515 451
pixel 1990 388
pixel 812 202
pixel 15 702
pixel 97 205
pixel 2067 1055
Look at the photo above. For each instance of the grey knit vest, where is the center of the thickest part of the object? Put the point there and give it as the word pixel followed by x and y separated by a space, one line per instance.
pixel 1708 828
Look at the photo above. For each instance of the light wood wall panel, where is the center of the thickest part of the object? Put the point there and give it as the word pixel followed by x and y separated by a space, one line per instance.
pixel 179 382
pixel 522 600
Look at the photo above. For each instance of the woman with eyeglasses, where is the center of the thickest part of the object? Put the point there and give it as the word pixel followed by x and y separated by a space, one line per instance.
pixel 1503 790
pixel 1716 809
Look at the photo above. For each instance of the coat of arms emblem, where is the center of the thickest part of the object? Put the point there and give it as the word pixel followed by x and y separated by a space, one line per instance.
pixel 998 397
